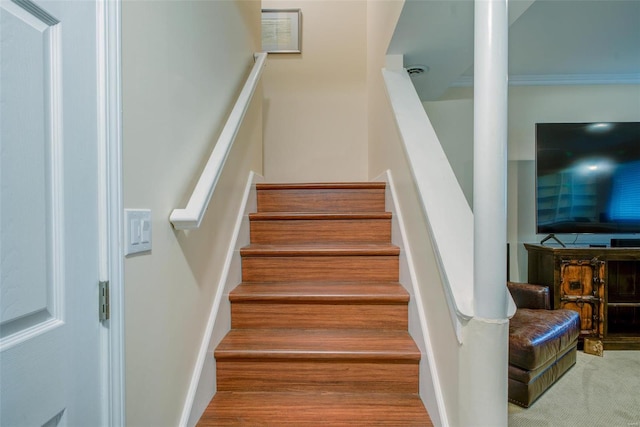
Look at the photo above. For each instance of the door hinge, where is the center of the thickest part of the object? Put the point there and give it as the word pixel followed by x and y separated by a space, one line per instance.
pixel 103 300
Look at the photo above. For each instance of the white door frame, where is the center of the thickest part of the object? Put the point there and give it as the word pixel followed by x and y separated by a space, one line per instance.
pixel 111 207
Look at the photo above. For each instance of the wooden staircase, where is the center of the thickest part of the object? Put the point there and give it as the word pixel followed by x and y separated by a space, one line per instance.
pixel 319 323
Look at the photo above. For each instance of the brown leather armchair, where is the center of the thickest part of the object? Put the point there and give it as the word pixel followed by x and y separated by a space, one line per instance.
pixel 542 343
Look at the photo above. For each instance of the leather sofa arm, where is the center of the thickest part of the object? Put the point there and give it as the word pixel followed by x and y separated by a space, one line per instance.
pixel 527 295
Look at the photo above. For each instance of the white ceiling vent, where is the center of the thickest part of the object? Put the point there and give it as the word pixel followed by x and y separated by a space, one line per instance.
pixel 417 70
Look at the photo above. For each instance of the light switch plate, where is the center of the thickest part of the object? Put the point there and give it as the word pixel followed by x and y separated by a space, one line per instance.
pixel 137 231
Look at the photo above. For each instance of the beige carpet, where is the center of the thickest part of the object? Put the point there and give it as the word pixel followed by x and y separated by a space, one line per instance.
pixel 597 391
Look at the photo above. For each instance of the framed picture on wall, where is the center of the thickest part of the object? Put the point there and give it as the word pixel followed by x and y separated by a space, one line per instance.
pixel 281 30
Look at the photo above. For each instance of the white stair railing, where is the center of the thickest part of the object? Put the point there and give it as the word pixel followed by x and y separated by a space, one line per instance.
pixel 446 210
pixel 191 216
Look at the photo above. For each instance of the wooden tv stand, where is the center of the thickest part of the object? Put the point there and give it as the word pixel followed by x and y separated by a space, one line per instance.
pixel 602 284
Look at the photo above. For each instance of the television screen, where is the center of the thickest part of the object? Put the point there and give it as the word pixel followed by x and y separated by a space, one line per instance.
pixel 588 177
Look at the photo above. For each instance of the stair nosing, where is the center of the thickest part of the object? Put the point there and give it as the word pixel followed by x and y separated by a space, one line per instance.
pixel 320 249
pixel 321 186
pixel 318 216
pixel 320 293
pixel 321 349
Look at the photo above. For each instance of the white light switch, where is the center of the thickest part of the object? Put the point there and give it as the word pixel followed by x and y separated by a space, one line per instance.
pixel 145 231
pixel 138 226
pixel 135 232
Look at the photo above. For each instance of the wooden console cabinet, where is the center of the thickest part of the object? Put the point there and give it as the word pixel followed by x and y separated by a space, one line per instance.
pixel 602 284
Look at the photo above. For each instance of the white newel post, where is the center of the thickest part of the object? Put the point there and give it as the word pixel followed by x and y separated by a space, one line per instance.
pixel 485 349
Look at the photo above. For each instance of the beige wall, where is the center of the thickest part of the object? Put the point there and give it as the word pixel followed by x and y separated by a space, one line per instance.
pixel 183 64
pixel 531 105
pixel 527 106
pixel 315 102
pixel 386 152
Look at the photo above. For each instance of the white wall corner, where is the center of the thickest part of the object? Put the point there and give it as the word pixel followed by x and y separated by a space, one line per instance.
pixel 202 387
pixel 394 62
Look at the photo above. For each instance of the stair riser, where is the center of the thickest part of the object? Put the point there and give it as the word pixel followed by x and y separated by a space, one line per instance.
pixel 321 231
pixel 321 200
pixel 338 376
pixel 320 268
pixel 322 316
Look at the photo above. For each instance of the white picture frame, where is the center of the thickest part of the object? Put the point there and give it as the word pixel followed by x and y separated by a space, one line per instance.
pixel 282 30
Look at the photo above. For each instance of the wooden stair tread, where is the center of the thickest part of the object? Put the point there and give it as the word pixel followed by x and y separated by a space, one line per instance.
pixel 315 408
pixel 321 185
pixel 321 292
pixel 314 344
pixel 343 249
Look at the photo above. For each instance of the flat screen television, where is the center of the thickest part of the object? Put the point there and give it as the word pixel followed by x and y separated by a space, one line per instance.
pixel 588 178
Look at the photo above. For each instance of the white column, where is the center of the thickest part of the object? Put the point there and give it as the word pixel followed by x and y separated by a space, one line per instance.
pixel 490 158
pixel 484 356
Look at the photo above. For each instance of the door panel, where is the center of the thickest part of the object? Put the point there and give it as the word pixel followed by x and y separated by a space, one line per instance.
pixel 31 195
pixel 582 290
pixel 50 362
pixel 577 278
pixel 589 325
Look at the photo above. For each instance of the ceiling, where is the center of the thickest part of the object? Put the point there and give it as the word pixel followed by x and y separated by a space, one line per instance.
pixel 550 42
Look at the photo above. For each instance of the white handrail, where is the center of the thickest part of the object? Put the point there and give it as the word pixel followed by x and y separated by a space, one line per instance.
pixel 191 216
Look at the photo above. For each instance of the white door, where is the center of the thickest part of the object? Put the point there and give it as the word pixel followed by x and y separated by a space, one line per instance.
pixel 50 359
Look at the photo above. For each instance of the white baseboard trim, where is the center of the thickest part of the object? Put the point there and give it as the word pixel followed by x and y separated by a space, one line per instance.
pixel 202 387
pixel 430 389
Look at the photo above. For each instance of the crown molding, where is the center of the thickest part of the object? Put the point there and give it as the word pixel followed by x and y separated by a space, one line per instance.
pixel 561 80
